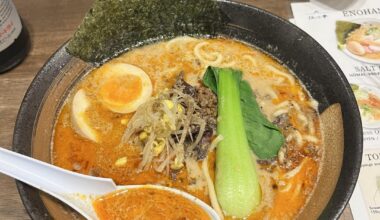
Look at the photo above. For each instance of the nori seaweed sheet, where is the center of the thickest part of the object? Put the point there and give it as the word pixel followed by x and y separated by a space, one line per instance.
pixel 343 29
pixel 112 26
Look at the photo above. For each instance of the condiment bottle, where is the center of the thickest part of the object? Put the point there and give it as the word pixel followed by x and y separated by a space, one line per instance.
pixel 14 39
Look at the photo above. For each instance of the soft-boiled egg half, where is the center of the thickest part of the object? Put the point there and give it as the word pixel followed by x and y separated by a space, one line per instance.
pixel 79 118
pixel 124 87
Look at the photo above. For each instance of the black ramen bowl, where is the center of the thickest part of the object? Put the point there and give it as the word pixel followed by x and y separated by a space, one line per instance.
pixel 273 35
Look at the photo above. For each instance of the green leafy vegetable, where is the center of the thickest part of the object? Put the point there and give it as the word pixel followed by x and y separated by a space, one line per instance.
pixel 354 87
pixel 342 29
pixel 111 26
pixel 373 31
pixel 236 182
pixel 264 138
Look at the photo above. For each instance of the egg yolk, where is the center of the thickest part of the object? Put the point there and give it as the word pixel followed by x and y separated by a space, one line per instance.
pixel 122 89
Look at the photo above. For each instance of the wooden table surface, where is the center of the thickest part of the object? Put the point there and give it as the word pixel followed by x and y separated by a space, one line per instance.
pixel 50 24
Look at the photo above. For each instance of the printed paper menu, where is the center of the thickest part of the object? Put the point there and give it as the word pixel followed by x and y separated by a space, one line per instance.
pixel 352 37
pixel 365 201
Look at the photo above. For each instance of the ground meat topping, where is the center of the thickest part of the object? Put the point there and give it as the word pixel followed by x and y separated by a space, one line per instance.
pixel 206 100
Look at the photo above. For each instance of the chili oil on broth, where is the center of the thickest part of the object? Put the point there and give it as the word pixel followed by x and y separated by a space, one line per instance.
pixel 286 182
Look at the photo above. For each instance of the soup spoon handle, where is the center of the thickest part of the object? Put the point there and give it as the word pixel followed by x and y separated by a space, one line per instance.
pixel 76 190
pixel 50 178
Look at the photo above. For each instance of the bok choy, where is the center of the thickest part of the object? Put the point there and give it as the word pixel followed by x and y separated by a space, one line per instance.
pixel 236 182
pixel 243 127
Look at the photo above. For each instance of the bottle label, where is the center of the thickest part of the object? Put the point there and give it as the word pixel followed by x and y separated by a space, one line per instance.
pixel 10 24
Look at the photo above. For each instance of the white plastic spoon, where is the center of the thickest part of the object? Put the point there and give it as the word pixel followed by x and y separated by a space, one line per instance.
pixel 74 189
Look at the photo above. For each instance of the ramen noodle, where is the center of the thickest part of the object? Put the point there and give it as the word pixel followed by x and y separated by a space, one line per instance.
pixel 102 131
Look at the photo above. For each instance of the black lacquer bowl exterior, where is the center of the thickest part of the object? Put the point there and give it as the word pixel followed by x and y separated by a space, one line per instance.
pixel 284 41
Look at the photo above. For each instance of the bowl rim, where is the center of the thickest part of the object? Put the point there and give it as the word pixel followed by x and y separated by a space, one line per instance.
pixel 34 98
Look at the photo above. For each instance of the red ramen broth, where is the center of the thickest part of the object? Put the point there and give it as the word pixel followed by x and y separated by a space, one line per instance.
pixel 147 203
pixel 286 182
